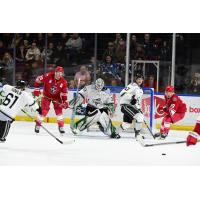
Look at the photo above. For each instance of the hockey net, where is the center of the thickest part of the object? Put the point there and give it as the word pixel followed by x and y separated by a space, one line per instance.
pixel 147 109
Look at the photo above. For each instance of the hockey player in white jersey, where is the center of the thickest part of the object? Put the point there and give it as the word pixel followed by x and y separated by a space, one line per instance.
pixel 100 105
pixel 14 99
pixel 130 102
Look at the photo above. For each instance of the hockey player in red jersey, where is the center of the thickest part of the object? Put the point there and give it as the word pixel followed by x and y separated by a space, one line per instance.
pixel 194 135
pixel 55 91
pixel 174 110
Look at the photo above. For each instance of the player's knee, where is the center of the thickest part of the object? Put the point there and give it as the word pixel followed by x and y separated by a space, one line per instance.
pixel 167 124
pixel 125 125
pixel 139 117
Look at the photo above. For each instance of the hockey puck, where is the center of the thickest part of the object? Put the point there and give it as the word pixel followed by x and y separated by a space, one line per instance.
pixel 163 154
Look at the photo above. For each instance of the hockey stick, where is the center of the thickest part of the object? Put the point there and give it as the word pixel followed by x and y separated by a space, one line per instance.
pixel 51 134
pixel 150 131
pixel 74 108
pixel 165 143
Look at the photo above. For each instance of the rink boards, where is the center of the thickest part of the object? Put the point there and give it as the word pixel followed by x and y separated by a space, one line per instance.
pixel 192 102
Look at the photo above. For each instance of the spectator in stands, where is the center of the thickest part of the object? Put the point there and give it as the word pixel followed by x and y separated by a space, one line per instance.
pixel 83 75
pixel 194 87
pixel 197 76
pixel 133 46
pixel 40 41
pixel 165 52
pixel 151 82
pixel 109 70
pixel 118 39
pixel 8 60
pixel 17 38
pixel 140 53
pixel 120 52
pixel 74 45
pixel 28 37
pixel 72 84
pixel 1 44
pixel 148 46
pixel 63 39
pixel 7 39
pixel 26 45
pixel 110 51
pixel 48 53
pixel 59 55
pixel 8 64
pixel 33 52
pixel 50 37
pixel 20 53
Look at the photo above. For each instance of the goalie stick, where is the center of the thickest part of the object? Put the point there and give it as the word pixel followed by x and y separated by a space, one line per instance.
pixel 51 134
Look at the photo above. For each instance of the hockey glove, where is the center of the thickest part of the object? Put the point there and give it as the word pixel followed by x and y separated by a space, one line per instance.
pixel 192 138
pixel 162 109
pixel 133 100
pixel 37 92
pixel 65 105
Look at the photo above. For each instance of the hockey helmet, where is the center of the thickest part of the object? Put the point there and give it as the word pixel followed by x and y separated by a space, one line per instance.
pixel 21 84
pixel 99 84
pixel 59 72
pixel 169 88
pixel 59 69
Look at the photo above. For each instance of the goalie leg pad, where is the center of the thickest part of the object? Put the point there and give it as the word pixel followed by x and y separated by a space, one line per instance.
pixel 106 123
pixel 87 121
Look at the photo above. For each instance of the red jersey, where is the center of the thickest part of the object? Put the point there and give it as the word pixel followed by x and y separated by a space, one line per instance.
pixel 54 89
pixel 174 105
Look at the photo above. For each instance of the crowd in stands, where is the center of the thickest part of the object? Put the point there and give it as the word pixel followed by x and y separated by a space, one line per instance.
pixel 75 53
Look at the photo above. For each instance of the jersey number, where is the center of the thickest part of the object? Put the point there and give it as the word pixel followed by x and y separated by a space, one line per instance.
pixel 10 99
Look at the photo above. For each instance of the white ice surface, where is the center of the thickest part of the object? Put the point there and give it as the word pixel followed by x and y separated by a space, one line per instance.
pixel 24 147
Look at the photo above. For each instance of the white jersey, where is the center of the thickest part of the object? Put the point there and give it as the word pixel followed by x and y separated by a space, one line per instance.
pixel 15 100
pixel 96 98
pixel 130 92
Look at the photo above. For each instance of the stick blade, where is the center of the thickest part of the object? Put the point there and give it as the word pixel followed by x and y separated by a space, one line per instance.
pixel 68 142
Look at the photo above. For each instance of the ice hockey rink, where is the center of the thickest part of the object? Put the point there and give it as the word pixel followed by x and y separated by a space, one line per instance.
pixel 24 147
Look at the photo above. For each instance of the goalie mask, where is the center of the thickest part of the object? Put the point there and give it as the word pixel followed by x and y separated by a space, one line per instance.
pixel 99 84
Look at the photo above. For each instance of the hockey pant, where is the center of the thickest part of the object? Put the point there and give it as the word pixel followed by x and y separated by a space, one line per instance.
pixel 168 120
pixel 45 106
pixel 4 129
pixel 99 116
pixel 197 126
pixel 130 114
